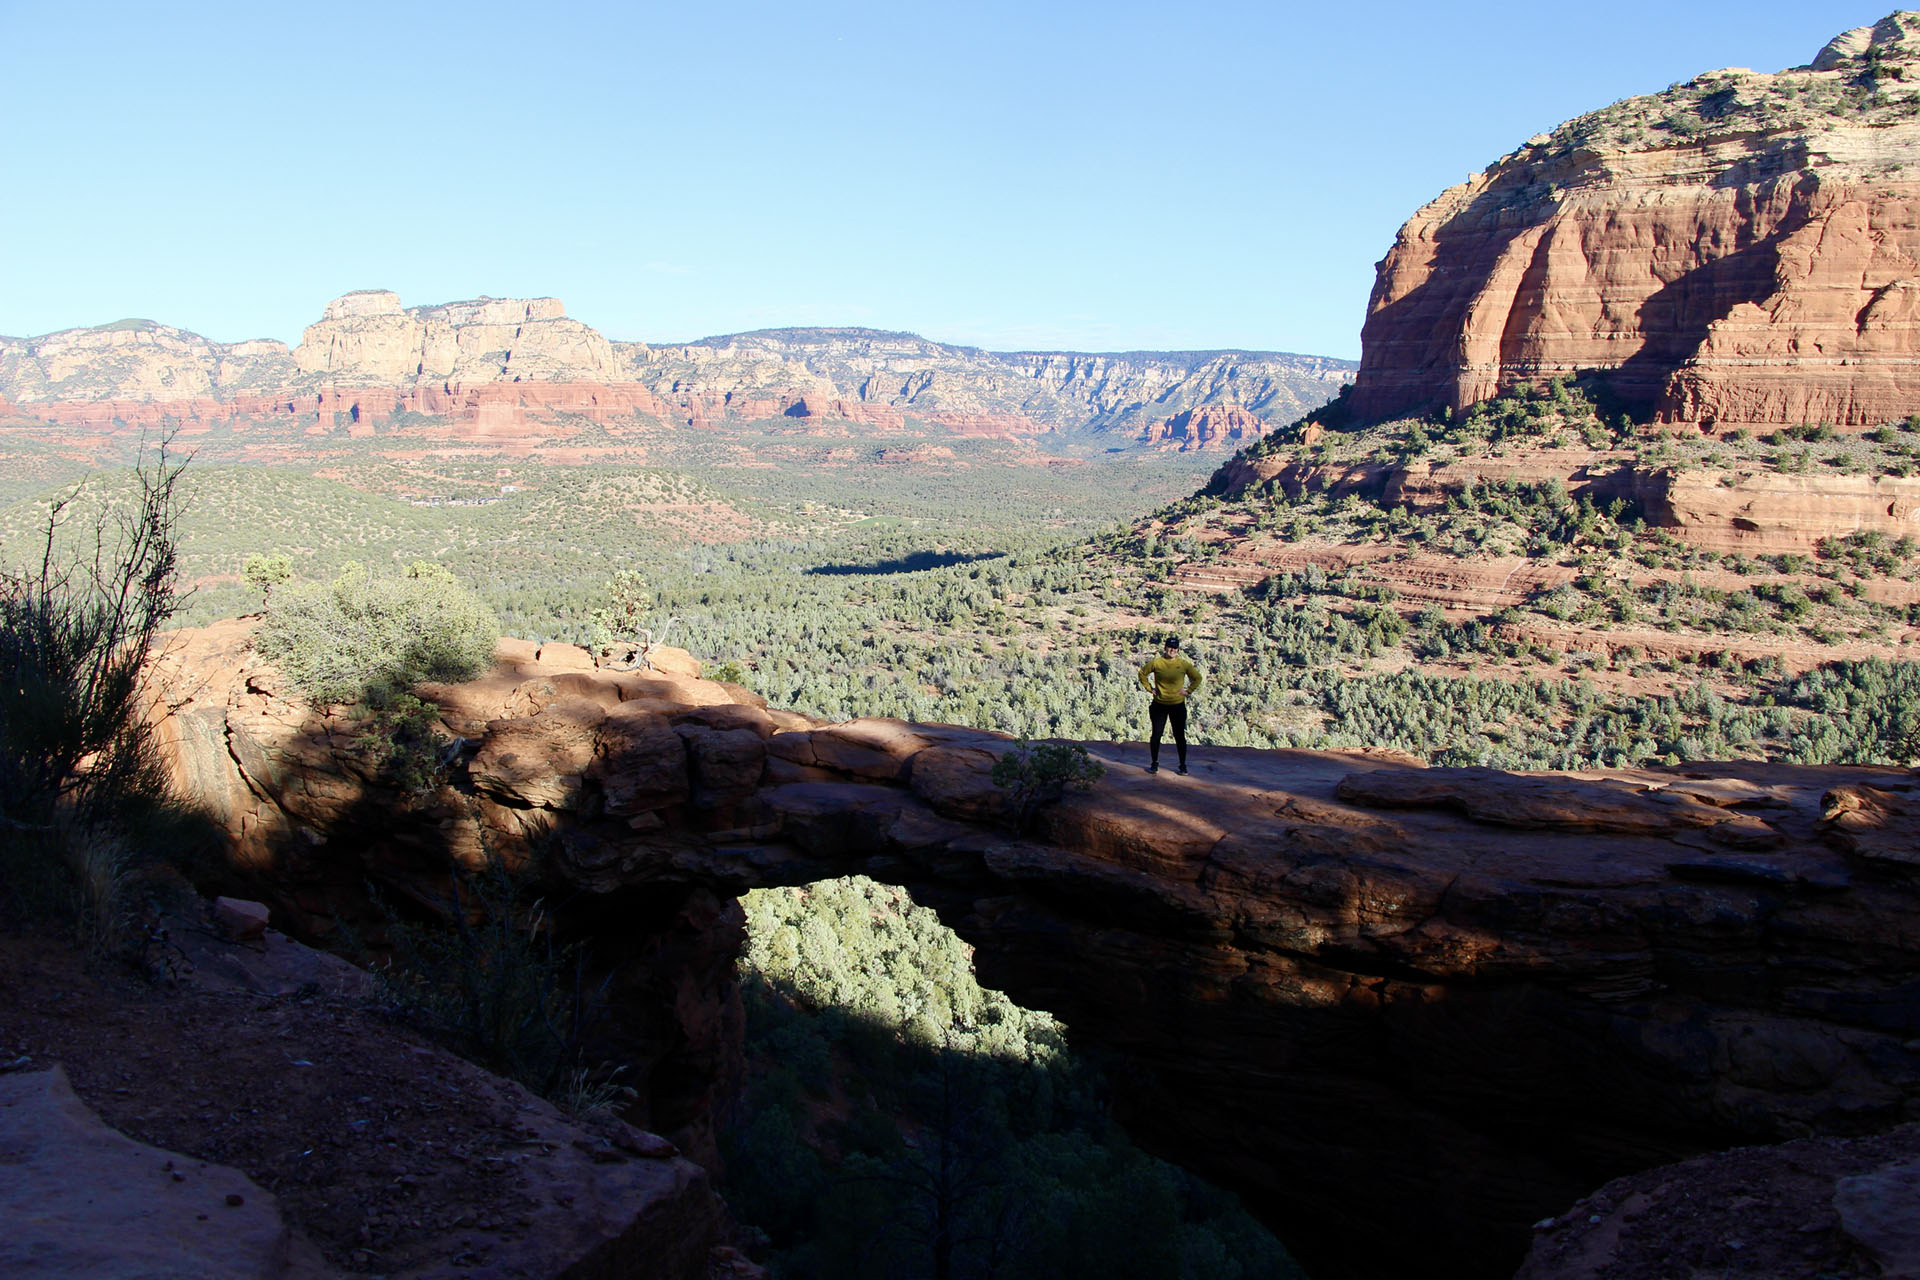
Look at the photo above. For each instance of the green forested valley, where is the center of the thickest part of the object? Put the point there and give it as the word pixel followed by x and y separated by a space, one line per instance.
pixel 1022 597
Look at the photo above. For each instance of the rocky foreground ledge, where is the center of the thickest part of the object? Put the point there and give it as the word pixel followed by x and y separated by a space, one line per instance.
pixel 1406 1012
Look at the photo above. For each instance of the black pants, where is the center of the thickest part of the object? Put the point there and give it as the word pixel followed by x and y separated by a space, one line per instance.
pixel 1160 715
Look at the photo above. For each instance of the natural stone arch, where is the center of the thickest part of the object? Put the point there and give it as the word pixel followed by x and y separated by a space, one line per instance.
pixel 1352 989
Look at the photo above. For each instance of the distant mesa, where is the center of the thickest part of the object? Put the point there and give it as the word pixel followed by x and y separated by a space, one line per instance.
pixel 362 302
pixel 1740 249
pixel 368 339
pixel 520 370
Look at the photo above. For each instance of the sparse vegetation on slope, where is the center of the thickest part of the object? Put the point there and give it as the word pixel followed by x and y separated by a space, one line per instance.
pixel 487 976
pixel 1875 88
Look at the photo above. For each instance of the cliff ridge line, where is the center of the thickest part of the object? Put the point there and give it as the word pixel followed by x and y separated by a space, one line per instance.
pixel 370 359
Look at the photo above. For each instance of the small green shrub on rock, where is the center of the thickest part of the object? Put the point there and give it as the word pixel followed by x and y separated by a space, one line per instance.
pixel 618 621
pixel 1037 773
pixel 369 637
pixel 264 573
pixel 398 738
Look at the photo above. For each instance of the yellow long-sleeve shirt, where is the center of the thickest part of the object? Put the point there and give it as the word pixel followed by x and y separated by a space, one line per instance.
pixel 1170 679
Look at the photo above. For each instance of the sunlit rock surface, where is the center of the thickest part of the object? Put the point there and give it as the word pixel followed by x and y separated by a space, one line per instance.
pixel 1743 248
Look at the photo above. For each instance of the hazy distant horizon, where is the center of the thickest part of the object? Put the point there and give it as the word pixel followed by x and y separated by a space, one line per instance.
pixel 666 343
pixel 1066 177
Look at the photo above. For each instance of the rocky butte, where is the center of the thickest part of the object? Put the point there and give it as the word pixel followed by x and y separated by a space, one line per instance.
pixel 1406 1012
pixel 1740 249
pixel 501 366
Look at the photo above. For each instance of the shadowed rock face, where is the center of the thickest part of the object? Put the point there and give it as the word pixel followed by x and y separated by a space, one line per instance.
pixel 1839 1207
pixel 1740 249
pixel 1406 1012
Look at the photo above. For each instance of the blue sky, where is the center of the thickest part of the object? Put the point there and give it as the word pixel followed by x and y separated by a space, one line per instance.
pixel 1056 175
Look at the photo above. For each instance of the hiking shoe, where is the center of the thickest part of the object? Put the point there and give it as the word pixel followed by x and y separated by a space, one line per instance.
pixel 1153 768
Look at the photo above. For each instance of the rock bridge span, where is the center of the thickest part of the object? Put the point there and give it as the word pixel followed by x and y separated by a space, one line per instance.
pixel 1404 1012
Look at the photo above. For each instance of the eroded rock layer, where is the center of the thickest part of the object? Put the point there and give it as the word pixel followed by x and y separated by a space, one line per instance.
pixel 1406 1012
pixel 1723 509
pixel 1742 249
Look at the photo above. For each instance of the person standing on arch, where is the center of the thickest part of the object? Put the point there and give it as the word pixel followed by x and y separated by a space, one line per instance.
pixel 1170 678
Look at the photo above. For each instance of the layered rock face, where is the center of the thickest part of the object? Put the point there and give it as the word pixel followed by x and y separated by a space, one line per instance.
pixel 1212 425
pixel 1730 510
pixel 1743 249
pixel 1406 1012
pixel 496 362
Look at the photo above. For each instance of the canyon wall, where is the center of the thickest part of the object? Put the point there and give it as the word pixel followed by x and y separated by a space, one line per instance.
pixel 1741 249
pixel 1405 1012
pixel 500 362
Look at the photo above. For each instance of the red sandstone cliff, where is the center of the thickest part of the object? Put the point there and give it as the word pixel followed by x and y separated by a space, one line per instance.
pixel 1739 249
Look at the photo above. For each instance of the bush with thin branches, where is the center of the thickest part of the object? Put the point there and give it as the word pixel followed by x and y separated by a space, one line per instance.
pixel 488 975
pixel 83 801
